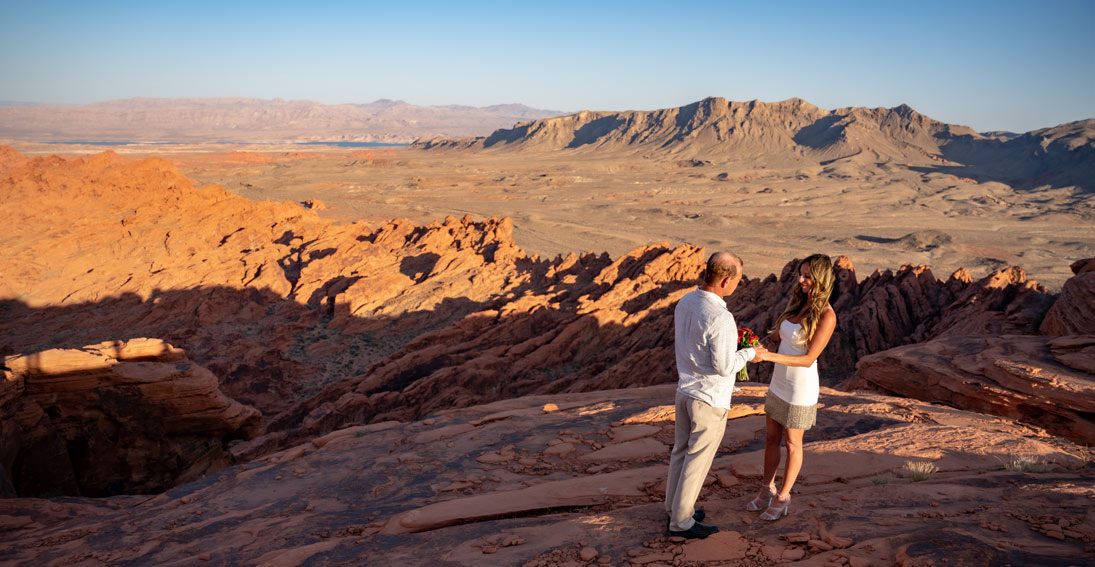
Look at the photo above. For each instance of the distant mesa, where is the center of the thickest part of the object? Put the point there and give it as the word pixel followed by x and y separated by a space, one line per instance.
pixel 794 132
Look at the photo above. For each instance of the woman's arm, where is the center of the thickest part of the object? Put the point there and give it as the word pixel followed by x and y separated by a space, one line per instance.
pixel 822 334
pixel 771 342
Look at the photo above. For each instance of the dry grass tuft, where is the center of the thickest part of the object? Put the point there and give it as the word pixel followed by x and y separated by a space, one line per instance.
pixel 918 470
pixel 1028 464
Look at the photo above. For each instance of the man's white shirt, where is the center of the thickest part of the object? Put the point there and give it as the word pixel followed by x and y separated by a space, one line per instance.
pixel 706 344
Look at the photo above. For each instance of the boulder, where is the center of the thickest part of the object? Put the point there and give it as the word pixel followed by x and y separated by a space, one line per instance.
pixel 1074 311
pixel 1045 381
pixel 117 417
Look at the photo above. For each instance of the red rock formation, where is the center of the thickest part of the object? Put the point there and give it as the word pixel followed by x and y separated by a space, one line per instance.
pixel 889 309
pixel 129 248
pixel 388 324
pixel 123 417
pixel 10 159
pixel 611 327
pixel 1074 311
pixel 321 325
pixel 1031 378
pixel 979 363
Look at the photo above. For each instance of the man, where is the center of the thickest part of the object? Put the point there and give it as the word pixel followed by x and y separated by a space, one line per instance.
pixel 708 360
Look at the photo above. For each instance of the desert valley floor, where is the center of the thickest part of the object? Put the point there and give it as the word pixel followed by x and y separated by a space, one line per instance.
pixel 881 214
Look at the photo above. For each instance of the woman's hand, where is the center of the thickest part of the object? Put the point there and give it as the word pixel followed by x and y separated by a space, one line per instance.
pixel 760 353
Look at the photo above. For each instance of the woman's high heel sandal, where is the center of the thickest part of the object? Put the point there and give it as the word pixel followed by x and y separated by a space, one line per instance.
pixel 776 509
pixel 762 501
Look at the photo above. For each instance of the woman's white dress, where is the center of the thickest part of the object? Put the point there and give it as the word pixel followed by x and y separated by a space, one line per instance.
pixel 796 386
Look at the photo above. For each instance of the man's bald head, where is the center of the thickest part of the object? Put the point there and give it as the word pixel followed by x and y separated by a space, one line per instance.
pixel 722 265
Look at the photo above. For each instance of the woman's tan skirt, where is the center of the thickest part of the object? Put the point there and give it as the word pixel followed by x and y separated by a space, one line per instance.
pixel 789 416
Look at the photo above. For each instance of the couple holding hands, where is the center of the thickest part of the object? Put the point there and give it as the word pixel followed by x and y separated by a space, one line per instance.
pixel 708 360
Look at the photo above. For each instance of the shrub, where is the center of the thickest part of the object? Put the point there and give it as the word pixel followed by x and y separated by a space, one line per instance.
pixel 1028 464
pixel 918 470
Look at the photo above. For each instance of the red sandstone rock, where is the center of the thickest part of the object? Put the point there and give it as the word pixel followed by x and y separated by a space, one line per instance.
pixel 321 325
pixel 1075 351
pixel 575 337
pixel 267 296
pixel 1043 381
pixel 132 416
pixel 1074 311
pixel 1083 266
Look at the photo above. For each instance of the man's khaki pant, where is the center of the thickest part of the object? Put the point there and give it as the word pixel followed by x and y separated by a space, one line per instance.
pixel 700 428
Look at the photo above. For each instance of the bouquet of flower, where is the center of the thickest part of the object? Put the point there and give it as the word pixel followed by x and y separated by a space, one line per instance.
pixel 746 338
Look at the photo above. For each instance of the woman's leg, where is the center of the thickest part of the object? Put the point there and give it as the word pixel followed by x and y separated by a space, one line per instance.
pixel 773 435
pixel 772 438
pixel 794 462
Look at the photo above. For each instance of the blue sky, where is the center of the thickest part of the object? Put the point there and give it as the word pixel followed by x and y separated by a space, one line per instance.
pixel 998 65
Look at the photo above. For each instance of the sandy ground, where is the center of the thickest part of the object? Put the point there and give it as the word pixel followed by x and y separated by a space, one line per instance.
pixel 881 215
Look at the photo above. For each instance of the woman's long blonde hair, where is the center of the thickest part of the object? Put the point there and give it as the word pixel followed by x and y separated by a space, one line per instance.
pixel 821 270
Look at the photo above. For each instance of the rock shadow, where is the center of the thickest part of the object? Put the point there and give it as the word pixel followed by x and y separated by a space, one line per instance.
pixel 418 268
pixel 592 132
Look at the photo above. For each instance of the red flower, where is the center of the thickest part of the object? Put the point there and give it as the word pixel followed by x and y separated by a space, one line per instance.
pixel 746 338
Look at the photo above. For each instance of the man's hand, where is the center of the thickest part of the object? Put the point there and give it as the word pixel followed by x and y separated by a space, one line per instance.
pixel 759 352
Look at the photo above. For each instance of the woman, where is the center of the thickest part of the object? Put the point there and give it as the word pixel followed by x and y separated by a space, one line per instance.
pixel 801 333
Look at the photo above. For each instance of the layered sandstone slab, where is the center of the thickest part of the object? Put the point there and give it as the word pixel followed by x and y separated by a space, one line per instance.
pixel 1045 381
pixel 117 417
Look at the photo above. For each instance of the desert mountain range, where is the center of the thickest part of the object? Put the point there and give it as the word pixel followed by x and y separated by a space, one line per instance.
pixel 193 377
pixel 253 121
pixel 779 133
